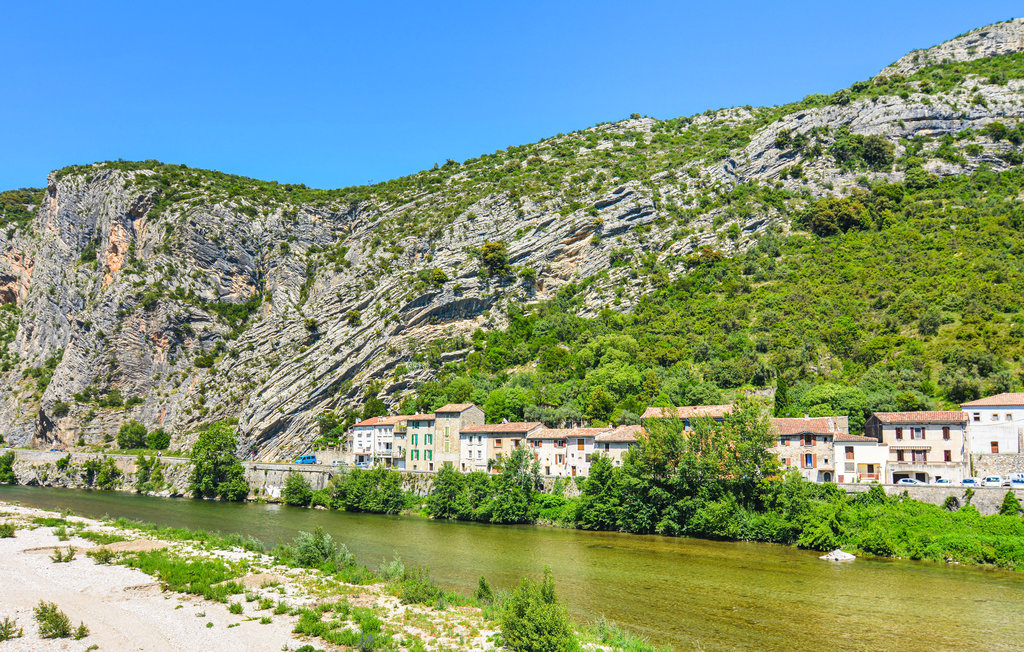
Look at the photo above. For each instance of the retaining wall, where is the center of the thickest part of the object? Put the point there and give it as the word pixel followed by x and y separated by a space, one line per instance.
pixel 986 499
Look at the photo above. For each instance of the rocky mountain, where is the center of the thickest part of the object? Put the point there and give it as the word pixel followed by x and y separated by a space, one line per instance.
pixel 178 296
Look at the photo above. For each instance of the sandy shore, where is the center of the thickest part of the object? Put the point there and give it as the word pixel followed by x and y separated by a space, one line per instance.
pixel 126 609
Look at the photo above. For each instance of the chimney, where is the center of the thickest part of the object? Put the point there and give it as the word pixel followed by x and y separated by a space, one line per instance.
pixel 807 416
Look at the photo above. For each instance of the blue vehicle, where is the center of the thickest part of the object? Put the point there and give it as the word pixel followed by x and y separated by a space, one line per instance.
pixel 306 459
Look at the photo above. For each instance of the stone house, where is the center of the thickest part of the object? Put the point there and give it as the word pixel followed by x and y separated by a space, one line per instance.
pixel 807 444
pixel 449 422
pixel 996 423
pixel 686 413
pixel 419 437
pixel 564 451
pixel 614 443
pixel 925 446
pixel 484 442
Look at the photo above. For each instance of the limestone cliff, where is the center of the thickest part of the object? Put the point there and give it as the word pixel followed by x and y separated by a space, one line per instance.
pixel 179 297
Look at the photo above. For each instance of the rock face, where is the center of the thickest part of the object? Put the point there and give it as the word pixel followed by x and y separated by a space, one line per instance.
pixel 179 297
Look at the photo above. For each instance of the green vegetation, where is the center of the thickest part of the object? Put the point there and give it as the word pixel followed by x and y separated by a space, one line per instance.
pixel 61 557
pixel 101 474
pixel 378 490
pixel 7 468
pixel 216 472
pixel 131 435
pixel 54 623
pixel 149 475
pixel 531 619
pixel 16 207
pixel 506 498
pixel 159 439
pixel 212 579
pixel 297 491
pixel 6 530
pixel 9 630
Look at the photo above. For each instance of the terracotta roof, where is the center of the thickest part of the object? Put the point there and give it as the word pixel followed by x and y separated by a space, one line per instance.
pixel 454 407
pixel 562 433
pixel 384 421
pixel 687 412
pixel 813 425
pixel 842 436
pixel 420 417
pixel 1009 398
pixel 621 434
pixel 947 416
pixel 498 428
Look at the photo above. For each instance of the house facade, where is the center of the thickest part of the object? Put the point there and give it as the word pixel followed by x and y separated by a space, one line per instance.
pixel 449 422
pixel 419 438
pixel 860 459
pixel 616 442
pixel 564 452
pixel 925 446
pixel 484 442
pixel 996 423
pixel 807 444
pixel 378 441
pixel 687 413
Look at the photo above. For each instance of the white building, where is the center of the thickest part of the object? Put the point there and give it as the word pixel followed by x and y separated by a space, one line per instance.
pixel 996 423
pixel 564 452
pixel 379 440
pixel 615 443
pixel 860 459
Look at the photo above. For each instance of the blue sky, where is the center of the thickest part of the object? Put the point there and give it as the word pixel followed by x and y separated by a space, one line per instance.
pixel 341 93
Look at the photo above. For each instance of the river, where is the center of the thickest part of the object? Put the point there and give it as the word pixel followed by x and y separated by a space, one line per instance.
pixel 688 593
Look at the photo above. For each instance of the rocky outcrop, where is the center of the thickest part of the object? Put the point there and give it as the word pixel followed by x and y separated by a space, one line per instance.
pixel 180 297
pixel 989 41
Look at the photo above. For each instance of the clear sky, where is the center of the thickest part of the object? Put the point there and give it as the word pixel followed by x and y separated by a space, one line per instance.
pixel 340 93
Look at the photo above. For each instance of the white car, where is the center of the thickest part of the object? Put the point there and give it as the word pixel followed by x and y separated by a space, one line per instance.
pixel 908 481
pixel 942 481
pixel 971 482
pixel 991 481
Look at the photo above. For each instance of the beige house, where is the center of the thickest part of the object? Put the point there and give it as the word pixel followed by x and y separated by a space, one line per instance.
pixel 687 413
pixel 480 444
pixel 807 445
pixel 564 451
pixel 860 459
pixel 449 422
pixel 925 446
pixel 614 443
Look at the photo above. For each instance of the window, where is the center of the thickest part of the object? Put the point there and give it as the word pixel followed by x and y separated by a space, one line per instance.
pixel 447 431
pixel 1009 417
pixel 479 453
pixel 917 433
pixel 606 447
pixel 428 438
pixel 787 462
pixel 899 456
pixel 995 417
pixel 899 433
pixel 995 447
pixel 808 459
pixel 976 416
pixel 850 467
pixel 783 441
pixel 430 456
pixel 579 444
pixel 559 458
pixel 849 453
pixel 919 457
pixel 945 432
pixel 497 443
pixel 588 458
pixel 447 446
pixel 947 456
pixel 415 439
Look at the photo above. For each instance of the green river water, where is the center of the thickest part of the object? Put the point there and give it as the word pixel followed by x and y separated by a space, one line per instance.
pixel 687 593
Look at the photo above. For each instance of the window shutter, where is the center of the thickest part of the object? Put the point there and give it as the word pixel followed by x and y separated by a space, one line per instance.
pixel 814 460
pixel 899 433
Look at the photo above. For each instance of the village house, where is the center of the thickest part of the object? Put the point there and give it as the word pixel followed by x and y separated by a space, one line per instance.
pixel 449 422
pixel 807 444
pixel 925 446
pixel 378 440
pixel 614 443
pixel 419 437
pixel 564 451
pixel 484 442
pixel 859 459
pixel 996 423
pixel 687 414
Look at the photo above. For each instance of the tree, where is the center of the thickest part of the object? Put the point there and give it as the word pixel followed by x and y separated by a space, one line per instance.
pixel 131 435
pixel 442 502
pixel 1010 506
pixel 781 397
pixel 598 505
pixel 374 407
pixel 494 258
pixel 533 621
pixel 159 439
pixel 216 472
pixel 7 469
pixel 297 491
pixel 513 489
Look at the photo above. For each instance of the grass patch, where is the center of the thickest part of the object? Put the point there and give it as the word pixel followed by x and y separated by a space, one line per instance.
pixel 101 538
pixel 6 530
pixel 209 578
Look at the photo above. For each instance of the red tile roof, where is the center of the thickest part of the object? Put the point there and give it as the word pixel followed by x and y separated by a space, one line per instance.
pixel 420 417
pixel 687 412
pixel 562 433
pixel 384 421
pixel 841 436
pixel 454 407
pixel 947 416
pixel 800 425
pixel 625 434
pixel 499 428
pixel 999 400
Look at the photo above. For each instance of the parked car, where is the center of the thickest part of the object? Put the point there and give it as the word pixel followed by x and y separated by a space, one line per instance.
pixel 306 459
pixel 971 482
pixel 1016 484
pixel 943 481
pixel 1013 477
pixel 991 481
pixel 908 481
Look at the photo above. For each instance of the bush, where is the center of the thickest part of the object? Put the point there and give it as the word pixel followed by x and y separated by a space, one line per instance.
pixel 102 556
pixel 319 549
pixel 131 435
pixel 53 623
pixel 159 439
pixel 1010 506
pixel 6 530
pixel 297 491
pixel 533 621
pixel 484 594
pixel 9 629
pixel 235 608
pixel 7 469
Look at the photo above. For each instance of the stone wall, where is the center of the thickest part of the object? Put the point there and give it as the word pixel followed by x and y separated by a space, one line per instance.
pixel 996 464
pixel 986 499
